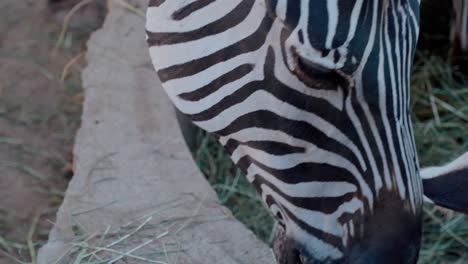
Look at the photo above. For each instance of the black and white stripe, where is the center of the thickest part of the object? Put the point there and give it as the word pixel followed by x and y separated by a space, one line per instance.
pixel 310 98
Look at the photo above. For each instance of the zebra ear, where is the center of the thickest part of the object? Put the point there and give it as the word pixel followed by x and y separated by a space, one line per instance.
pixel 447 185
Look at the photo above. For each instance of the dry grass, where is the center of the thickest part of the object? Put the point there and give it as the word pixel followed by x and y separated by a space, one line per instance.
pixel 156 237
pixel 440 118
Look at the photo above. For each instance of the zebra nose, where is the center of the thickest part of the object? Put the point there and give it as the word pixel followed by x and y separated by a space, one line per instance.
pixel 291 256
pixel 285 248
pixel 394 243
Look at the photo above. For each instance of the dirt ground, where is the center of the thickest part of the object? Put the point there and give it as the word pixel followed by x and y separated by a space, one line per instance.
pixel 40 107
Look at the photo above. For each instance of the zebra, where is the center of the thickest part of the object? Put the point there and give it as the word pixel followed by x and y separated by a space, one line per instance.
pixel 311 100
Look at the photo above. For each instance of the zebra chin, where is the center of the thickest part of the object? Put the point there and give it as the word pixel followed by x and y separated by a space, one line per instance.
pixel 390 234
pixel 369 251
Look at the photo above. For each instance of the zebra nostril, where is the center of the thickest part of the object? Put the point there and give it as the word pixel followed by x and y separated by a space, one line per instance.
pixel 285 249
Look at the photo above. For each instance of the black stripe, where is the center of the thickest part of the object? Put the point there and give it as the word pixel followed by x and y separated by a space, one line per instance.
pixel 156 3
pixel 271 147
pixel 317 233
pixel 317 29
pixel 297 129
pixel 274 148
pixel 231 145
pixel 190 9
pixel 326 205
pixel 307 172
pixel 369 136
pixel 344 23
pixel 248 44
pixel 233 18
pixel 221 81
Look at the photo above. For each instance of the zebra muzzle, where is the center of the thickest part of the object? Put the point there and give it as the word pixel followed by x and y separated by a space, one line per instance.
pixel 285 249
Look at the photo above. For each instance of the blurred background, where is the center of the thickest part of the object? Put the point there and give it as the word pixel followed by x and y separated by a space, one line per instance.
pixel 42 54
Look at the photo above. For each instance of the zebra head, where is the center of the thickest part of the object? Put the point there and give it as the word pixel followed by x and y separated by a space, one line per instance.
pixel 353 58
pixel 311 100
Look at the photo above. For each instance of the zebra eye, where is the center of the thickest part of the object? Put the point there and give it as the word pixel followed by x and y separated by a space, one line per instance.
pixel 311 68
pixel 315 75
pixel 307 65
